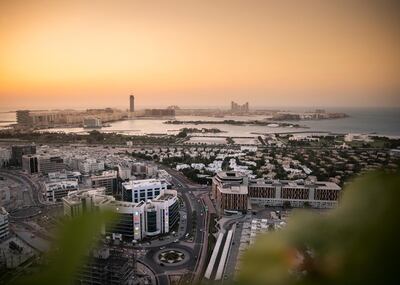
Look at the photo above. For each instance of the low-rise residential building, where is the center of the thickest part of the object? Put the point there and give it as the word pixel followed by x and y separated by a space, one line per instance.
pixel 125 172
pixel 144 169
pixel 90 165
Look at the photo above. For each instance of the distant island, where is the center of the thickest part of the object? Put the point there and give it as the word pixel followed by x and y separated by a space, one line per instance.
pixel 236 123
pixel 202 130
pixel 317 115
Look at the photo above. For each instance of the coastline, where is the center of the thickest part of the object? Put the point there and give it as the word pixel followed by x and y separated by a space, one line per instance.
pixel 372 121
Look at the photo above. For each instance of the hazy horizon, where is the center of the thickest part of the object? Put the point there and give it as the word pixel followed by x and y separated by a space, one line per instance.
pixel 93 54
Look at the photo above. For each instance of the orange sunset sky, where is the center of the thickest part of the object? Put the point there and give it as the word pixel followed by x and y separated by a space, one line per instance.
pixel 79 54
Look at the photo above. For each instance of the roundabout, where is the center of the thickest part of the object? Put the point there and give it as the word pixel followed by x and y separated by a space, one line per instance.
pixel 172 257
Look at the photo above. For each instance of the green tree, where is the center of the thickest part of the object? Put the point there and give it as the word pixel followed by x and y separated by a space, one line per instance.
pixel 355 244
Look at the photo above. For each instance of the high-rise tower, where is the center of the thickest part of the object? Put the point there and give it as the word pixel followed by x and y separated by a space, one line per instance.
pixel 132 103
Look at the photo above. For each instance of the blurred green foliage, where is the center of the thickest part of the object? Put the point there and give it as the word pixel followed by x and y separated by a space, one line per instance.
pixel 74 241
pixel 357 243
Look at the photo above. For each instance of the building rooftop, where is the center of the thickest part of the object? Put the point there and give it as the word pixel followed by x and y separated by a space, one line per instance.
pixel 296 183
pixel 142 183
pixel 233 189
pixel 228 175
pixel 105 174
pixel 63 184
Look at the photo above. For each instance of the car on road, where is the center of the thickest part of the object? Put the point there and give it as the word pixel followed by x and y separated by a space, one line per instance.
pixel 176 240
pixel 162 247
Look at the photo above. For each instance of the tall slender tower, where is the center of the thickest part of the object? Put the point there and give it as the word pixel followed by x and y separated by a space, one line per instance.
pixel 132 103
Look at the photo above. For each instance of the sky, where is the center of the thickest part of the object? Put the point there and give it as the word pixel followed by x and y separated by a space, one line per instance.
pixel 81 54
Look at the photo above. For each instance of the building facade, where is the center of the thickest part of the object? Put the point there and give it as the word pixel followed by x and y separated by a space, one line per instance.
pixel 5 156
pixel 66 118
pixel 159 113
pixel 144 170
pixel 50 163
pixel 105 266
pixel 107 179
pixel 30 164
pixel 237 108
pixel 142 190
pixel 92 123
pixel 4 231
pixel 135 220
pixel 82 201
pixel 230 191
pixel 23 118
pixel 17 151
pixel 90 165
pixel 233 191
pixel 55 191
pixel 43 164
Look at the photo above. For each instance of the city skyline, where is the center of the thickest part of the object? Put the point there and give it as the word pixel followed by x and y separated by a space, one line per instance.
pixel 80 55
pixel 199 142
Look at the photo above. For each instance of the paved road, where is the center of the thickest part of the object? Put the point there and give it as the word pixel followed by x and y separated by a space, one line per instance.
pixel 32 206
pixel 195 222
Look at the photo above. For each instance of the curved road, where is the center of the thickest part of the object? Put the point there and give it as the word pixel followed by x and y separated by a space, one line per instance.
pixel 197 226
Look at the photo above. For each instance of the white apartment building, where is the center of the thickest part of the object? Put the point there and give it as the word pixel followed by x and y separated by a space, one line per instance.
pixel 125 172
pixel 142 190
pixel 90 165
pixel 78 202
pixel 4 231
pixel 144 169
pixel 135 220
